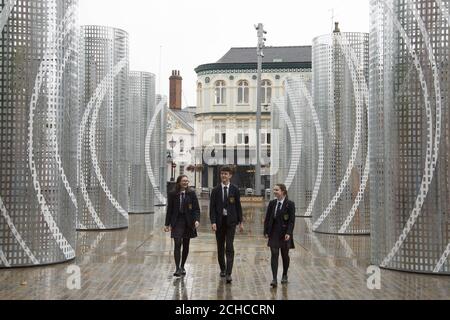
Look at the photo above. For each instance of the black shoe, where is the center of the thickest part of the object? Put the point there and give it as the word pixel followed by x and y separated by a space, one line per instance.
pixel 183 271
pixel 284 280
pixel 229 279
pixel 177 273
pixel 223 274
pixel 274 284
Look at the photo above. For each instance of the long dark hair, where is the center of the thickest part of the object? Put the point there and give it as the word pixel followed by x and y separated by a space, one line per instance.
pixel 283 189
pixel 178 187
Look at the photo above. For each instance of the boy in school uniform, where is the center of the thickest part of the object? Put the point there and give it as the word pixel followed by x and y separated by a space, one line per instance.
pixel 225 215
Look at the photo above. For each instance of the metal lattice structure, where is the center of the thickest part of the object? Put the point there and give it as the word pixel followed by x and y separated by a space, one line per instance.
pixel 155 150
pixel 38 129
pixel 142 107
pixel 162 157
pixel 410 135
pixel 296 140
pixel 103 164
pixel 340 77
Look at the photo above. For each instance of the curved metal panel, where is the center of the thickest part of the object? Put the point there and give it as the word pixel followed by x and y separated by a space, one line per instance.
pixel 410 134
pixel 142 105
pixel 38 129
pixel 103 163
pixel 340 77
pixel 155 160
pixel 296 163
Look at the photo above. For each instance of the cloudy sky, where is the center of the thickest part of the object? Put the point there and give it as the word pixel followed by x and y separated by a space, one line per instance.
pixel 191 33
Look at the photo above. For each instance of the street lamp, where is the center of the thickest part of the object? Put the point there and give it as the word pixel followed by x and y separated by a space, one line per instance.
pixel 195 167
pixel 260 55
pixel 170 161
pixel 172 144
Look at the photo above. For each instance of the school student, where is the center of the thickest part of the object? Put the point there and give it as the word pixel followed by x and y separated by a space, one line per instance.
pixel 278 228
pixel 225 215
pixel 182 220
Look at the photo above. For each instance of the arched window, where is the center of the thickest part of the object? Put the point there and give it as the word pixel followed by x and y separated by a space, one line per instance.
pixel 266 92
pixel 243 92
pixel 199 95
pixel 221 92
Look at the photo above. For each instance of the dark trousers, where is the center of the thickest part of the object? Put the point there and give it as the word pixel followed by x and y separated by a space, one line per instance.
pixel 225 239
pixel 276 257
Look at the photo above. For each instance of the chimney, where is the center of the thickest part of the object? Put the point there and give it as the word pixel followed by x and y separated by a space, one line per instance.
pixel 336 28
pixel 176 87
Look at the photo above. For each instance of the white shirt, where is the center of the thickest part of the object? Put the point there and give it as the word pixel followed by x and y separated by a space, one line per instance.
pixel 279 201
pixel 225 213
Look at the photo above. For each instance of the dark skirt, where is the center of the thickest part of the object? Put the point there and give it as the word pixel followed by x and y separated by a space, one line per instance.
pixel 276 238
pixel 182 230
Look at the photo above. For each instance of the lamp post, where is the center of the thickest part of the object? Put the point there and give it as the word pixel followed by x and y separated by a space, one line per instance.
pixel 260 55
pixel 172 144
pixel 195 168
pixel 265 106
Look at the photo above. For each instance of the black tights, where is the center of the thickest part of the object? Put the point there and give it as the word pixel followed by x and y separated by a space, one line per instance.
pixel 177 251
pixel 275 257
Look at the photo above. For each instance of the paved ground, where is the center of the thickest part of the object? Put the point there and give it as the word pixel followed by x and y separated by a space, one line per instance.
pixel 137 263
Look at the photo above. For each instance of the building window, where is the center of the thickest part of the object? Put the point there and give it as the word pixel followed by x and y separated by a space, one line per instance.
pixel 243 137
pixel 181 170
pixel 243 92
pixel 181 145
pixel 265 133
pixel 266 92
pixel 220 92
pixel 199 95
pixel 220 129
pixel 265 138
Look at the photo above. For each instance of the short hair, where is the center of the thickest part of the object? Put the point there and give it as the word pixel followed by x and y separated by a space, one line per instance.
pixel 226 169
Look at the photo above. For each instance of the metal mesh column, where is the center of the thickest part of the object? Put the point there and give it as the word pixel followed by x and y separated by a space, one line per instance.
pixel 38 129
pixel 294 142
pixel 340 76
pixel 103 165
pixel 142 106
pixel 159 145
pixel 410 135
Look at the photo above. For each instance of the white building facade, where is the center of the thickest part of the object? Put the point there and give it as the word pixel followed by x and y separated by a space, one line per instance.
pixel 225 120
pixel 180 135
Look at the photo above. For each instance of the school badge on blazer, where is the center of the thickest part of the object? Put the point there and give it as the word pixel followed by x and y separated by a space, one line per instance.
pixel 190 206
pixel 286 217
pixel 232 200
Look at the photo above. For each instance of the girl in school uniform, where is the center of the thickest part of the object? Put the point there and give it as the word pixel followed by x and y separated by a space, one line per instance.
pixel 182 220
pixel 278 228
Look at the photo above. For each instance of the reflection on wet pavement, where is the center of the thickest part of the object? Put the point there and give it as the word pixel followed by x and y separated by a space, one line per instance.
pixel 137 263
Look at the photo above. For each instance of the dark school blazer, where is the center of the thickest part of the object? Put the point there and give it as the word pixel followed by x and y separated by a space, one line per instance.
pixel 286 219
pixel 191 207
pixel 234 206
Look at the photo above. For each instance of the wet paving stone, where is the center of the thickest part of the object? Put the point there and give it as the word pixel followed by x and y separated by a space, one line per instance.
pixel 137 263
